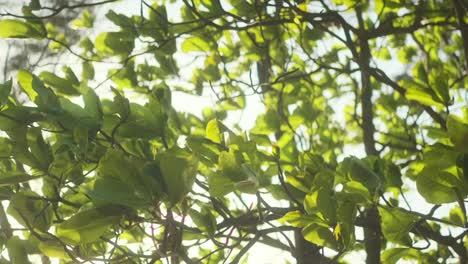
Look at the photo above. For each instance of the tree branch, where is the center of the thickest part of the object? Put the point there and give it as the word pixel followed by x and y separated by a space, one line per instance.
pixel 372 236
pixel 56 11
pixel 461 11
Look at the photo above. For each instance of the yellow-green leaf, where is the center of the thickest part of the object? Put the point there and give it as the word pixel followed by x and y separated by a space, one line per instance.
pixel 13 28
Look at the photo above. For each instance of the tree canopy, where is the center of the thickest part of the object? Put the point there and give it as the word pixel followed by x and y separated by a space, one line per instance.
pixel 358 149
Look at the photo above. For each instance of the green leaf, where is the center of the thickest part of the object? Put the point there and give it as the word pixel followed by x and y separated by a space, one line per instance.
pixel 437 186
pixel 126 23
pixel 10 178
pixel 213 131
pixel 242 8
pixel 393 255
pixel 440 85
pixel 87 72
pixel 420 73
pixel 213 7
pixel 37 92
pixel 144 122
pixel 249 185
pixel 204 147
pixel 462 163
pixel 39 148
pixel 93 107
pixel 124 170
pixel 73 115
pixel 383 54
pixel 220 185
pixel 346 215
pixel 322 203
pixel 211 71
pixel 355 192
pixel 190 234
pixel 81 138
pixel 114 164
pixel 422 96
pixel 30 210
pixel 125 77
pixel 268 122
pixel 122 105
pixel 204 220
pixel 252 181
pixel 390 172
pixel 440 157
pixel 53 249
pixel 62 85
pixel 86 20
pixel 324 178
pixel 88 225
pixel 229 164
pixel 357 170
pixel 114 43
pixel 6 147
pixel 12 28
pixel 178 169
pixel 138 147
pixel 95 249
pixel 457 129
pixel 115 191
pixel 35 5
pixel 457 216
pixel 396 225
pixel 320 235
pixel 5 90
pixel 196 44
pixel 17 251
pixel 297 219
pixel 152 178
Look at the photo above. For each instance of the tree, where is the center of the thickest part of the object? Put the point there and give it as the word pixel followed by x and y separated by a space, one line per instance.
pixel 360 145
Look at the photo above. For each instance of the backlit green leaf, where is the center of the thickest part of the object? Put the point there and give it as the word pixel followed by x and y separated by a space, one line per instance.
pixel 393 255
pixel 37 92
pixel 204 220
pixel 297 219
pixel 92 106
pixel 30 210
pixel 213 131
pixel 396 225
pixel 322 203
pixel 86 20
pixel 13 28
pixel 87 225
pixel 355 192
pixel 17 251
pixel 320 235
pixel 196 44
pixel 114 43
pixel 438 186
pixel 115 191
pixel 5 89
pixel 10 178
pixel 62 85
pixel 422 97
pixel 357 170
pixel 229 164
pixel 178 169
pixel 457 129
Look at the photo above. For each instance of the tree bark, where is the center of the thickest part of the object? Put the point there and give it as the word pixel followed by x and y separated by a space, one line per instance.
pixel 372 237
pixel 461 11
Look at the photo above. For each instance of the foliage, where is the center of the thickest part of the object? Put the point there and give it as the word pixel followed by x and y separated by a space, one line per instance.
pixel 363 106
